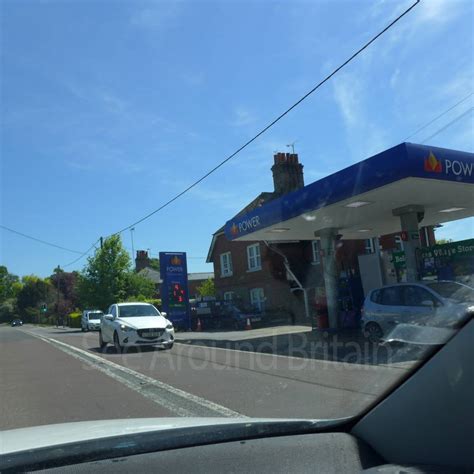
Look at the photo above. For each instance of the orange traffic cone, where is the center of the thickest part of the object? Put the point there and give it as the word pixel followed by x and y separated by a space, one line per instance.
pixel 248 325
pixel 198 325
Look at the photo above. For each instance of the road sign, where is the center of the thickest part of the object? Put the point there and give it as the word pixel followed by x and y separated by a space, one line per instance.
pixel 174 288
pixel 463 248
pixel 399 259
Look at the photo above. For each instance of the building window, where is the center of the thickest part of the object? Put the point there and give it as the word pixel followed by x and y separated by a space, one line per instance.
pixel 369 246
pixel 228 296
pixel 226 264
pixel 257 298
pixel 253 257
pixel 316 245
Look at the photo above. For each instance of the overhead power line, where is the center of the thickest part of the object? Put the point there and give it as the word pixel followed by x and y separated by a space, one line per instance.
pixel 439 116
pixel 449 124
pixel 13 231
pixel 82 255
pixel 242 147
pixel 272 123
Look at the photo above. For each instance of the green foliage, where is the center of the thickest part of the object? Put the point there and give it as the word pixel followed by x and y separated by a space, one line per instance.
pixel 30 314
pixel 9 284
pixel 138 287
pixel 34 292
pixel 104 280
pixel 154 301
pixel 75 319
pixel 207 288
pixel 443 241
pixel 155 264
pixel 8 310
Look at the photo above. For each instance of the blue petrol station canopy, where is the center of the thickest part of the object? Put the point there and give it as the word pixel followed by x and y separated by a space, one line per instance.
pixel 359 200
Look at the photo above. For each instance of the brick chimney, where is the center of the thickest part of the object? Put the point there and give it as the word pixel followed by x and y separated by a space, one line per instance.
pixel 287 173
pixel 142 260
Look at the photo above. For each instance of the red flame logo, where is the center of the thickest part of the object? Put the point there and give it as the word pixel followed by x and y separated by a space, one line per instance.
pixel 433 165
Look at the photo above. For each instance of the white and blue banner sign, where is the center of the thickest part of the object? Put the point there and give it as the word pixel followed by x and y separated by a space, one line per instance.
pixel 174 287
pixel 402 161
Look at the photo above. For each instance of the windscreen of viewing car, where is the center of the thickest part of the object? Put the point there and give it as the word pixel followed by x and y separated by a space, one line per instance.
pixel 252 171
pixel 454 291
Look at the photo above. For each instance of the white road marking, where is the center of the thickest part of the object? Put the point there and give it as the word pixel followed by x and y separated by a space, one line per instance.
pixel 173 399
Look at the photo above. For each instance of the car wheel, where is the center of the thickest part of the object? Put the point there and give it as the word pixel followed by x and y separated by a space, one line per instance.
pixel 82 329
pixel 373 332
pixel 102 343
pixel 117 346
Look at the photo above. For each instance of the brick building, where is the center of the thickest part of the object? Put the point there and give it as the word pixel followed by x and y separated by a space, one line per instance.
pixel 195 280
pixel 276 277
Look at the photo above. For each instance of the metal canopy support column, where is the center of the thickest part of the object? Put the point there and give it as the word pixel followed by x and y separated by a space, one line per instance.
pixel 300 286
pixel 328 246
pixel 410 217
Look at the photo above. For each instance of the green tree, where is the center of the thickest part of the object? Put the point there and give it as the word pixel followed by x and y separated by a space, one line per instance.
pixel 155 264
pixel 34 292
pixel 8 310
pixel 207 288
pixel 443 241
pixel 9 284
pixel 138 287
pixel 104 279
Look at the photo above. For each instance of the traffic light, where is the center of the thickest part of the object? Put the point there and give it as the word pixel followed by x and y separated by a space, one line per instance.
pixel 44 308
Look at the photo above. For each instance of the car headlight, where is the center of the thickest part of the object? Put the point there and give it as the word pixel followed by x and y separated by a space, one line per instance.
pixel 169 325
pixel 125 328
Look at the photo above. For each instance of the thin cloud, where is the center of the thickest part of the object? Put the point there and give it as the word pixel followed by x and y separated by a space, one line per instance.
pixel 90 155
pixel 156 15
pixel 361 131
pixel 394 78
pixel 347 93
pixel 218 199
pixel 242 116
pixel 427 18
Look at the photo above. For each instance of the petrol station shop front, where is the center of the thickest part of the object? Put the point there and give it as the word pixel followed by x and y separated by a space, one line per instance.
pixel 404 191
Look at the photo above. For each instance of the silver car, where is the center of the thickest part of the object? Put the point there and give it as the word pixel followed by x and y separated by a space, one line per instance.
pixel 434 303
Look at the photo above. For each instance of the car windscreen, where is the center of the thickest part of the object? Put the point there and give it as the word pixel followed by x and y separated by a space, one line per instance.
pixel 137 310
pixel 95 315
pixel 453 290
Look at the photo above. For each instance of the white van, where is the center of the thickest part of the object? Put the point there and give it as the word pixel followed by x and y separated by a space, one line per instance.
pixel 91 320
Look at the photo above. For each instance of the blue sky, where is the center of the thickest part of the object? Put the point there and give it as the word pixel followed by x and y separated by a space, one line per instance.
pixel 109 108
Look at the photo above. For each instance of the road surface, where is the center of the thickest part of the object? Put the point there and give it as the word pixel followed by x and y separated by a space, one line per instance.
pixel 51 375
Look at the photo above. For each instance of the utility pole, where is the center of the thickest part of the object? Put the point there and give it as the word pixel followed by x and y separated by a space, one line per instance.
pixel 133 248
pixel 101 242
pixel 58 272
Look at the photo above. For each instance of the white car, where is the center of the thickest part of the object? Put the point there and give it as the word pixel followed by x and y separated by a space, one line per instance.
pixel 135 324
pixel 90 320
